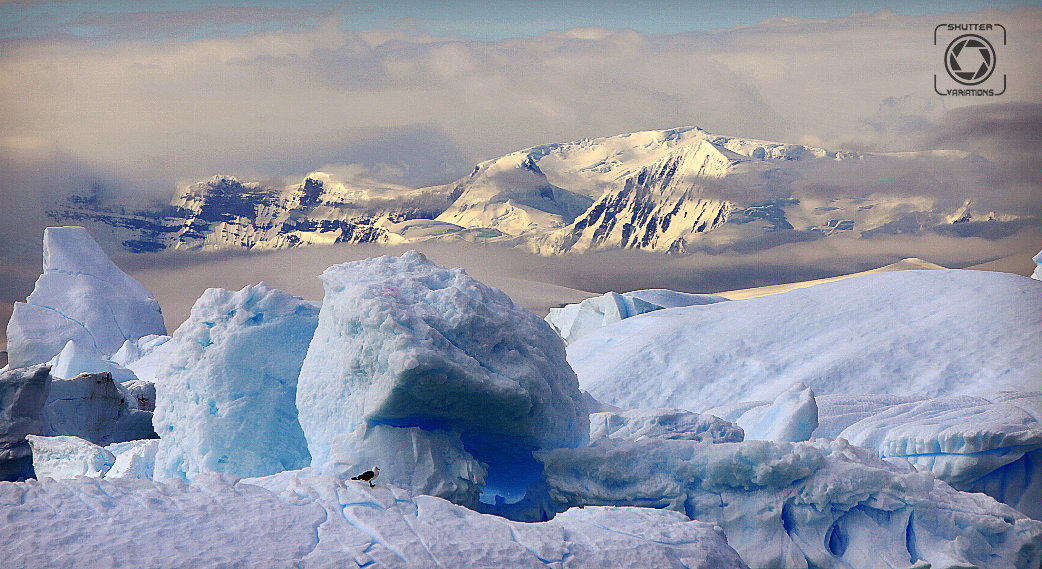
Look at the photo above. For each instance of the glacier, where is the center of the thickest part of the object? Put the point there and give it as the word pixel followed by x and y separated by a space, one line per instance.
pixel 226 396
pixel 404 343
pixel 83 296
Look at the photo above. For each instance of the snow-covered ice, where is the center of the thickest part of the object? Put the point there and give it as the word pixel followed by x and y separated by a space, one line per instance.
pixel 974 444
pixel 226 396
pixel 573 321
pixel 75 359
pixel 81 295
pixel 405 343
pixel 926 333
pixel 144 355
pixel 792 417
pixel 319 521
pixel 23 393
pixel 638 424
pixel 824 504
pixel 68 456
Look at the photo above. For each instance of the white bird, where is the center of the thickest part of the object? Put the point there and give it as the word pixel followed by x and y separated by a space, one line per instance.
pixel 368 476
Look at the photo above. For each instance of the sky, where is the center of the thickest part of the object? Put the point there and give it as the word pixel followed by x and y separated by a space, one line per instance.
pixel 137 99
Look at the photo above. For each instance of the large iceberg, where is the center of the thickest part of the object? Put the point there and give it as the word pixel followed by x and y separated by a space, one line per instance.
pixel 225 397
pixel 319 521
pixel 83 296
pixel 573 321
pixel 822 504
pixel 23 393
pixel 926 333
pixel 404 343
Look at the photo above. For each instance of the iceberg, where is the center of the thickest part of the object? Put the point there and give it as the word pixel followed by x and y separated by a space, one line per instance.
pixel 94 407
pixel 144 355
pixel 67 457
pixel 404 343
pixel 225 397
pixel 305 520
pixel 74 360
pixel 573 321
pixel 133 459
pixel 820 503
pixel 936 333
pixel 1037 273
pixel 83 296
pixel 23 393
pixel 973 444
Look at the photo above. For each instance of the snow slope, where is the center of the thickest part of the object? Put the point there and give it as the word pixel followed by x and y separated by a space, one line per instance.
pixel 318 521
pixel 927 333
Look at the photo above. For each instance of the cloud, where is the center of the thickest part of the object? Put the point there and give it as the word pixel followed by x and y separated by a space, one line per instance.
pixel 176 108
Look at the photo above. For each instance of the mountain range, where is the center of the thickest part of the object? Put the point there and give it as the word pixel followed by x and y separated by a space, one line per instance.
pixel 672 191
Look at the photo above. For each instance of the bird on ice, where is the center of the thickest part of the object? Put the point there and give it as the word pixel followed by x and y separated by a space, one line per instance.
pixel 368 476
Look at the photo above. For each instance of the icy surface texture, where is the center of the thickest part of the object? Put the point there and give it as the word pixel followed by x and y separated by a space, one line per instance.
pixel 23 393
pixel 791 418
pixel 431 462
pixel 318 521
pixel 134 459
pixel 80 296
pixel 405 343
pixel 837 412
pixel 925 333
pixel 638 424
pixel 1037 273
pixel 68 457
pixel 574 321
pixel 74 360
pixel 94 407
pixel 974 444
pixel 143 356
pixel 225 399
pixel 823 504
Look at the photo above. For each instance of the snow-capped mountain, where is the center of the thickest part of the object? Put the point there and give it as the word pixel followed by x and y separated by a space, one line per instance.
pixel 669 191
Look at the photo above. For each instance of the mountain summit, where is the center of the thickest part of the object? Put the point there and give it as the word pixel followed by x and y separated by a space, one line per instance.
pixel 672 191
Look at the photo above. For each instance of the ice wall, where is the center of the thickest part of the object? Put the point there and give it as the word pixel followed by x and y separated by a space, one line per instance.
pixel 80 296
pixel 225 397
pixel 94 407
pixel 973 444
pixel 23 393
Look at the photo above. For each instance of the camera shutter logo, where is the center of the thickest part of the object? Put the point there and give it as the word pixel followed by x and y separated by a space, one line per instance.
pixel 970 59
